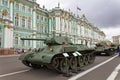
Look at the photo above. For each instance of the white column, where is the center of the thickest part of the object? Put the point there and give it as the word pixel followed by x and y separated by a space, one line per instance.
pixel 8 32
pixel 49 28
pixel 66 26
pixel 5 38
pixel 11 36
pixel 11 29
pixel 34 28
pixel 70 27
pixel 8 37
pixel 82 30
pixel 11 11
pixel 78 30
pixel 62 24
pixel 57 23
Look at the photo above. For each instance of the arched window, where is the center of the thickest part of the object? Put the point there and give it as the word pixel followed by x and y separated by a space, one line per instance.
pixel 16 40
pixel 17 6
pixel 29 10
pixel 42 28
pixel 45 29
pixel 17 19
pixel 5 2
pixel 38 27
pixel 29 23
pixel 23 21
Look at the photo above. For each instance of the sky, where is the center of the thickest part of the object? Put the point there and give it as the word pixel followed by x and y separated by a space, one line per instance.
pixel 105 14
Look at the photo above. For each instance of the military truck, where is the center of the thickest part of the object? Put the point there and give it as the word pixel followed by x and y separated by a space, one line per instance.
pixel 103 48
pixel 60 54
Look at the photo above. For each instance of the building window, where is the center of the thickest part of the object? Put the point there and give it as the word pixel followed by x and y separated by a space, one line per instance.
pixel 23 21
pixel 5 2
pixel 17 6
pixel 45 29
pixel 41 18
pixel 29 10
pixel 37 16
pixel 23 43
pixel 42 28
pixel 16 40
pixel 23 8
pixel 38 28
pixel 45 19
pixel 29 23
pixel 53 18
pixel 16 21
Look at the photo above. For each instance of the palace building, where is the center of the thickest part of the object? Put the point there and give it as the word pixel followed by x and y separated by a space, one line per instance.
pixel 26 19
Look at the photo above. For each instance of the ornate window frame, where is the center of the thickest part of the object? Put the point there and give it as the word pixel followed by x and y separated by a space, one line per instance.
pixel 5 3
pixel 17 19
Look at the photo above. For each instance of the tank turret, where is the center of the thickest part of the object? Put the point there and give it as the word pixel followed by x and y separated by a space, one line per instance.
pixel 59 54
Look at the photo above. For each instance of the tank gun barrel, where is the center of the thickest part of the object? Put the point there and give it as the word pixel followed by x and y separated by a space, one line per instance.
pixel 52 41
pixel 33 39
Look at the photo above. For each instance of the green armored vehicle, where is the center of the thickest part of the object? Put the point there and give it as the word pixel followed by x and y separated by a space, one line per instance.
pixel 103 48
pixel 60 54
pixel 114 47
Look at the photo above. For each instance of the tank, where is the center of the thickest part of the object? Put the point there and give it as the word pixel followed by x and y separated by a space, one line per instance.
pixel 60 54
pixel 114 47
pixel 103 48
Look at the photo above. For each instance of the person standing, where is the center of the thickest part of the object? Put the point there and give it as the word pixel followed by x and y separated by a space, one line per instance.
pixel 118 49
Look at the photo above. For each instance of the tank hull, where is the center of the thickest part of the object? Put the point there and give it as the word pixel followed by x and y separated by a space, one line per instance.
pixel 56 58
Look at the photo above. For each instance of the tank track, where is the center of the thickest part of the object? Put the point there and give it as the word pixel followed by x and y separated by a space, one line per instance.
pixel 71 63
pixel 68 64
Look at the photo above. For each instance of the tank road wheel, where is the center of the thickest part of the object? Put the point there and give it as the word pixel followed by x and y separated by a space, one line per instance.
pixel 55 63
pixel 86 58
pixel 80 61
pixel 64 66
pixel 73 64
pixel 92 58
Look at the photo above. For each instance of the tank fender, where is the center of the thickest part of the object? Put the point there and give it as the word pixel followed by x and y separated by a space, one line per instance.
pixel 65 54
pixel 24 56
pixel 48 58
pixel 78 54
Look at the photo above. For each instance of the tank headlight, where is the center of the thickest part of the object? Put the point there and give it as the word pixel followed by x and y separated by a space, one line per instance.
pixel 51 49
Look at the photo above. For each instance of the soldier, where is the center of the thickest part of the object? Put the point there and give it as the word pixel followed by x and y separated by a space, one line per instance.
pixel 118 49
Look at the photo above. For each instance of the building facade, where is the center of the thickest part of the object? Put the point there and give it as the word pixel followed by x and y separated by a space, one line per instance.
pixel 116 39
pixel 26 19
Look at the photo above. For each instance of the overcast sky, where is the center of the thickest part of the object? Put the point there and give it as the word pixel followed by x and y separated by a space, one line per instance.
pixel 104 14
